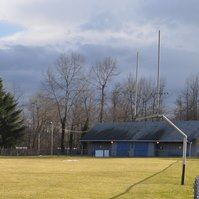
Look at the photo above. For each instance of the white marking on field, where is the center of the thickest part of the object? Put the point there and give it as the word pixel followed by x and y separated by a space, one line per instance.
pixel 70 160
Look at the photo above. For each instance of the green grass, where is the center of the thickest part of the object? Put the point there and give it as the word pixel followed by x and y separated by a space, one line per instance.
pixel 90 178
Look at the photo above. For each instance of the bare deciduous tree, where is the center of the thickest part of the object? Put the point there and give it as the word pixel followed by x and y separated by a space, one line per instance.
pixel 103 72
pixel 187 106
pixel 64 84
pixel 123 96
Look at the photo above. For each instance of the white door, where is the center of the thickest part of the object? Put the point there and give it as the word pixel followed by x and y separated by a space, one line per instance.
pixel 106 153
pixel 99 153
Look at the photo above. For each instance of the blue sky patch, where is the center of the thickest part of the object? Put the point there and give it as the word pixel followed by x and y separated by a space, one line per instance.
pixel 7 29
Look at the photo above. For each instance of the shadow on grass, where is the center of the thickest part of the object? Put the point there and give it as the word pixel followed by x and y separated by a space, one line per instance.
pixel 141 181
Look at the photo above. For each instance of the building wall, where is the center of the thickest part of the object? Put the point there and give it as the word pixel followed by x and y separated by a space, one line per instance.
pixel 123 149
pixel 150 149
pixel 195 148
pixel 113 149
pixel 166 149
pixel 131 151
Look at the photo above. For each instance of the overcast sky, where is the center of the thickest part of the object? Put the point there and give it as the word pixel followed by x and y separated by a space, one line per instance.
pixel 34 32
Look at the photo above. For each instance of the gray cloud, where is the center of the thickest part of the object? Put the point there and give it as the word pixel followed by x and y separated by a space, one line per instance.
pixel 180 11
pixel 92 28
pixel 103 21
pixel 24 66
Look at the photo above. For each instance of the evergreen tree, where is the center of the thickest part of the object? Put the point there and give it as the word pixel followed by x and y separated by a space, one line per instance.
pixel 11 124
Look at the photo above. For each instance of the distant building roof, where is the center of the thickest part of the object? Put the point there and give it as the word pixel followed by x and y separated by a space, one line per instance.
pixel 142 131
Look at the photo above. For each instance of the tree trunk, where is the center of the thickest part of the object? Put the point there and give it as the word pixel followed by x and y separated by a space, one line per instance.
pixel 102 105
pixel 62 137
pixel 132 108
pixel 114 111
pixel 187 107
pixel 71 140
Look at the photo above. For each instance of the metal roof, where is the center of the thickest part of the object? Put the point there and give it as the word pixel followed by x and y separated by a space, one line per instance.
pixel 142 131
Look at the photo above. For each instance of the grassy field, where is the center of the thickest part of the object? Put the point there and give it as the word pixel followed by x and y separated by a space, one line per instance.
pixel 90 178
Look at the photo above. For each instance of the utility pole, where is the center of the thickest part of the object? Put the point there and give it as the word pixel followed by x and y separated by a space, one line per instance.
pixel 36 122
pixel 51 138
pixel 39 143
pixel 39 134
pixel 136 85
pixel 158 76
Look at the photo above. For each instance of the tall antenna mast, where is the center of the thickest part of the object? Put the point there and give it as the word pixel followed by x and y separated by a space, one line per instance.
pixel 158 76
pixel 136 84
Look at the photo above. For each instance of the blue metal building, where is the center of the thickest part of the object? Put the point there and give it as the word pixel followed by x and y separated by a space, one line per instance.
pixel 141 139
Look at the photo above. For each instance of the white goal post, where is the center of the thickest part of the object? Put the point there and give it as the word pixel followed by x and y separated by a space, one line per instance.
pixel 179 131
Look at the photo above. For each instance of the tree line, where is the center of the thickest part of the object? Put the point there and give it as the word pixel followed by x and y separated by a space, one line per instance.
pixel 73 97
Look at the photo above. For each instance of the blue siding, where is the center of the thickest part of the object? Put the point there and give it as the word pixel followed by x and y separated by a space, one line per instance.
pixel 141 149
pixel 122 149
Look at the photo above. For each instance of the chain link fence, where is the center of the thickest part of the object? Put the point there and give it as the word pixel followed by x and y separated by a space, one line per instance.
pixel 35 152
pixel 196 188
